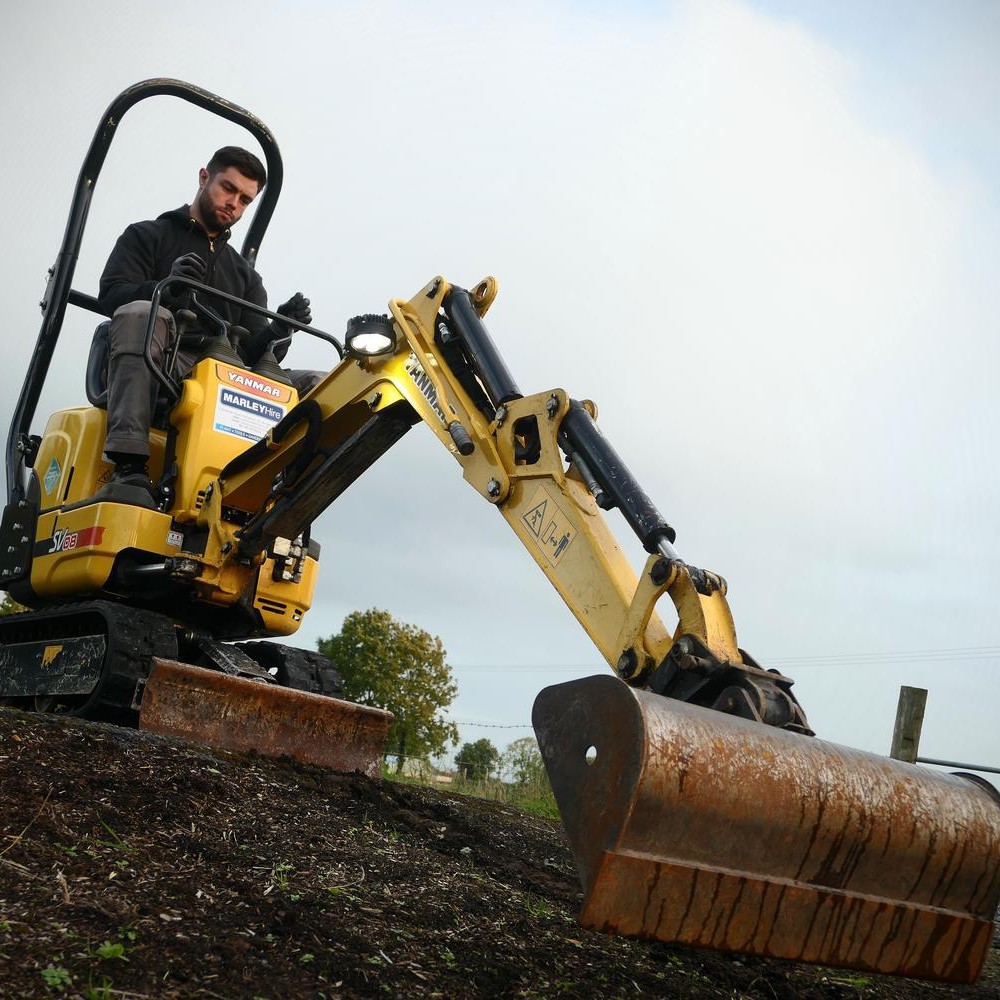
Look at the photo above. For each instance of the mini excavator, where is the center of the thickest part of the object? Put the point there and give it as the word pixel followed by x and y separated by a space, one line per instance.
pixel 699 805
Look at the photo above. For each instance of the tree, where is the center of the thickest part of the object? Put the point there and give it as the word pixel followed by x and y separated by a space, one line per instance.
pixel 522 761
pixel 401 668
pixel 477 760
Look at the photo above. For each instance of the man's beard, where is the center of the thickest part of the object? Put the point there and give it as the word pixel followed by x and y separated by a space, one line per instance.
pixel 208 214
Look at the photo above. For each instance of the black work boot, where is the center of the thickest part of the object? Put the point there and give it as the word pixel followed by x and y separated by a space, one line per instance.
pixel 129 484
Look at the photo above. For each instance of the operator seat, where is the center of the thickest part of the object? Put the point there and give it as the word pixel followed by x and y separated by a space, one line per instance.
pixel 96 378
pixel 97 367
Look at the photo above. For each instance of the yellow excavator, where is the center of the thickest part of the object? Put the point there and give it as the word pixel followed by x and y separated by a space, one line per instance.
pixel 699 805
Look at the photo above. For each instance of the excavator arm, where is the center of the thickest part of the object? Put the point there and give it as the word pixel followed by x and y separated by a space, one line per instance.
pixel 542 461
pixel 699 806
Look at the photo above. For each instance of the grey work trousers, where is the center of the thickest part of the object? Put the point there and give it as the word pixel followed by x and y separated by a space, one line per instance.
pixel 132 387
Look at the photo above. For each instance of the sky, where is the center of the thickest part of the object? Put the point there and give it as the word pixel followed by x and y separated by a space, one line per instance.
pixel 759 234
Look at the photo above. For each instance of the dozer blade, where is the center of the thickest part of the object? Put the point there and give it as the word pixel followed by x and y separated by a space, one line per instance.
pixel 234 713
pixel 696 827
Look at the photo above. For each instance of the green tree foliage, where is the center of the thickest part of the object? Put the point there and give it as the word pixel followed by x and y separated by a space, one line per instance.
pixel 477 760
pixel 401 668
pixel 8 606
pixel 522 762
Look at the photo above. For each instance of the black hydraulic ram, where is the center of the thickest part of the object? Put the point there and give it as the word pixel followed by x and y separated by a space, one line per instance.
pixel 580 435
pixel 486 361
pixel 586 442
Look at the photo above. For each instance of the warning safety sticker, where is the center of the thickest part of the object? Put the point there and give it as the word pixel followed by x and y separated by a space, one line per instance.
pixel 51 476
pixel 550 529
pixel 245 416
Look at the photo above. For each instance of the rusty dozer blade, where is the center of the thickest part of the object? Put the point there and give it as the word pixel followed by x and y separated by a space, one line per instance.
pixel 234 713
pixel 696 827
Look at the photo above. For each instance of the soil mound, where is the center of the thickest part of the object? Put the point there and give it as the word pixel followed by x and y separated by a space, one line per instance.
pixel 133 866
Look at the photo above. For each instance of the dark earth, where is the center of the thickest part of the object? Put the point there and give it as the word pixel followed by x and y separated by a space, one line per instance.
pixel 134 866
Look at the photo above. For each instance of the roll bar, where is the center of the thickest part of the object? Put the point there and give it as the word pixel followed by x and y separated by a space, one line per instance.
pixel 59 291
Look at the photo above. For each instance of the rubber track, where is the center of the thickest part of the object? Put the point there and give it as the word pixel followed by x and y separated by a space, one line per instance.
pixel 133 638
pixel 301 669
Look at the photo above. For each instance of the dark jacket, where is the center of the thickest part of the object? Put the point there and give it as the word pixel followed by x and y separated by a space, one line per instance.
pixel 145 252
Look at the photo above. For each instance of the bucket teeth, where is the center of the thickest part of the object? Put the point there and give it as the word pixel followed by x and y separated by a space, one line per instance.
pixel 701 828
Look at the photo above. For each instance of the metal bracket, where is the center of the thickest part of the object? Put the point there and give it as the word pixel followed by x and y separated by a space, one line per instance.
pixel 231 660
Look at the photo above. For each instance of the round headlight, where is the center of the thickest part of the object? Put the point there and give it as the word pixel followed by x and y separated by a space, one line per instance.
pixel 370 336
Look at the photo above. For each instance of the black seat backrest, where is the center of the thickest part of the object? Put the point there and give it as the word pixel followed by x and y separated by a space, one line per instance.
pixel 97 367
pixel 97 373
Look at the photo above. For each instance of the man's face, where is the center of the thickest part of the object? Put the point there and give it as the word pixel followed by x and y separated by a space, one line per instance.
pixel 223 197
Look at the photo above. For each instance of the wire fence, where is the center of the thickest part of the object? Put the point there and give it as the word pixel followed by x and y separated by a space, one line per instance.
pixel 980 768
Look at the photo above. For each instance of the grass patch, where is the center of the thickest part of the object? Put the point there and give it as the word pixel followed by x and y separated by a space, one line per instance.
pixel 533 797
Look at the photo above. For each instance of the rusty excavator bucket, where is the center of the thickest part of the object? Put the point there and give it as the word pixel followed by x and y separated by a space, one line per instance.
pixel 691 826
pixel 236 713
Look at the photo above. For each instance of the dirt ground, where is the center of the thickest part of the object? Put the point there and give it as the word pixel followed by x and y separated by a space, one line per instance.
pixel 132 866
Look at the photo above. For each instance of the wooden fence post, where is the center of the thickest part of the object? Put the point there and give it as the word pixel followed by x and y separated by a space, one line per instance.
pixel 909 719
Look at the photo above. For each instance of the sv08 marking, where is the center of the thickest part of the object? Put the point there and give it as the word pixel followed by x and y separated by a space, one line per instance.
pixel 64 540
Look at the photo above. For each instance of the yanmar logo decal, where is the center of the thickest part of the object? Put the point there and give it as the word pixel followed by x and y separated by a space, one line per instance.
pixel 63 540
pixel 423 382
pixel 253 384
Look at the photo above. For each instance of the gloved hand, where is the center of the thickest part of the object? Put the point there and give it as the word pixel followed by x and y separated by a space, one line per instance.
pixel 277 335
pixel 297 308
pixel 190 266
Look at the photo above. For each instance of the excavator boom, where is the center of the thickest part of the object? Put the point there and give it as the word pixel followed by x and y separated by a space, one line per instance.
pixel 443 369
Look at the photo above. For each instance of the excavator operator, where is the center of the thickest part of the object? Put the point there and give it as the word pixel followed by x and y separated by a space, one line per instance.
pixel 189 242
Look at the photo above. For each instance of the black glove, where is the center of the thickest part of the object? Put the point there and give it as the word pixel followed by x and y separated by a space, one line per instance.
pixel 191 267
pixel 297 308
pixel 277 335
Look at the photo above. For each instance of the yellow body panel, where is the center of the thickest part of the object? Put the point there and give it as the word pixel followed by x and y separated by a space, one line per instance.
pixel 222 411
pixel 283 605
pixel 76 549
pixel 70 465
